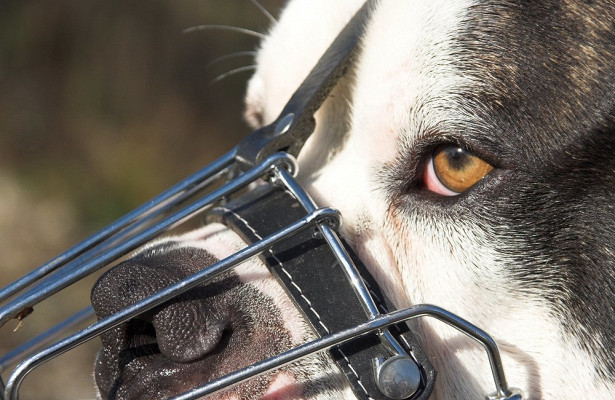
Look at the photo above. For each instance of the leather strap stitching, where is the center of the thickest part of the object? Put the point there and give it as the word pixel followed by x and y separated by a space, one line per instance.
pixel 247 225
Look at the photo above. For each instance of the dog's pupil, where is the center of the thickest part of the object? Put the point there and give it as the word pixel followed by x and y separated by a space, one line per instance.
pixel 457 158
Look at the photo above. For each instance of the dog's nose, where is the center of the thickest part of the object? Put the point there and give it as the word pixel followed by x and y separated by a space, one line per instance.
pixel 179 332
pixel 186 328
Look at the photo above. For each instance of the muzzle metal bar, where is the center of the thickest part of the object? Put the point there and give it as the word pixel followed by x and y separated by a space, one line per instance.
pixel 112 234
pixel 378 323
pixel 45 338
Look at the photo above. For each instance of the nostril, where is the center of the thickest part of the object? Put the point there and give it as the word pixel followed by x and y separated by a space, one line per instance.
pixel 140 341
pixel 187 331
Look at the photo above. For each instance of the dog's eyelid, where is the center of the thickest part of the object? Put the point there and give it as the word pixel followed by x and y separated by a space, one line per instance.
pixel 471 140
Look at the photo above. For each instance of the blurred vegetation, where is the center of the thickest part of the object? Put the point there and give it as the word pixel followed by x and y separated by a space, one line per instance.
pixel 103 104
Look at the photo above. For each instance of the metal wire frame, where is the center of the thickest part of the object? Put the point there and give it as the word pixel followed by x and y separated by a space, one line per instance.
pixel 139 226
pixel 117 239
pixel 114 232
pixel 123 236
pixel 377 323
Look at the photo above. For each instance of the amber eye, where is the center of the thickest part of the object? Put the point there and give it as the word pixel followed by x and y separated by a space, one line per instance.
pixel 453 170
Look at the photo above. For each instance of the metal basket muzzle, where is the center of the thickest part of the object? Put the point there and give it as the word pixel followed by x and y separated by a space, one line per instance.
pixel 161 214
pixel 258 157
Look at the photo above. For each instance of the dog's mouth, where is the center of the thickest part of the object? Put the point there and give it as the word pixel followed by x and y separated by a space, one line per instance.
pixel 206 333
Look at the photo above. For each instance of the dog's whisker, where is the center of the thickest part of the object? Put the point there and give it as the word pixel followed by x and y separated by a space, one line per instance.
pixel 229 56
pixel 225 28
pixel 232 72
pixel 264 11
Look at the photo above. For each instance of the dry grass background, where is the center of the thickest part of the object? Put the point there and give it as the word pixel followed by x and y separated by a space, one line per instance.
pixel 102 105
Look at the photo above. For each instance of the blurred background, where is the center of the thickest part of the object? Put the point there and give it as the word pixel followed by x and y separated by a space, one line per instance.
pixel 103 104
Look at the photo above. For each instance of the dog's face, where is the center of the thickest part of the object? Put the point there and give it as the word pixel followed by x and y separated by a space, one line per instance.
pixel 470 151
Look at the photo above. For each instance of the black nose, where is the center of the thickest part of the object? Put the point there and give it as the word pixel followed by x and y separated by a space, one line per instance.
pixel 182 330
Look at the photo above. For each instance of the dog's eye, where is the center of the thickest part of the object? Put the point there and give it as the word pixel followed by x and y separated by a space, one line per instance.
pixel 452 170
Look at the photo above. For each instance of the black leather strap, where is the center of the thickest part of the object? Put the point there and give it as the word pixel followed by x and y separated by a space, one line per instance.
pixel 308 97
pixel 307 268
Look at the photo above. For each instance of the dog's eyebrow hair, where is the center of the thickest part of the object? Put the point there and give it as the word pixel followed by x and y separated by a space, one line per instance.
pixel 413 148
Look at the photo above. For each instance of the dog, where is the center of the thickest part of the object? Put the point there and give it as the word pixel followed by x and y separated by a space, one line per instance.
pixel 471 152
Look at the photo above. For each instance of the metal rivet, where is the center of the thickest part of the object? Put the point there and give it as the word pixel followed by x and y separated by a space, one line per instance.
pixel 284 124
pixel 398 377
pixel 513 394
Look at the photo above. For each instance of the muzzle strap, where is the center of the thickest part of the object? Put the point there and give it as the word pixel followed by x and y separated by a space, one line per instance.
pixel 307 268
